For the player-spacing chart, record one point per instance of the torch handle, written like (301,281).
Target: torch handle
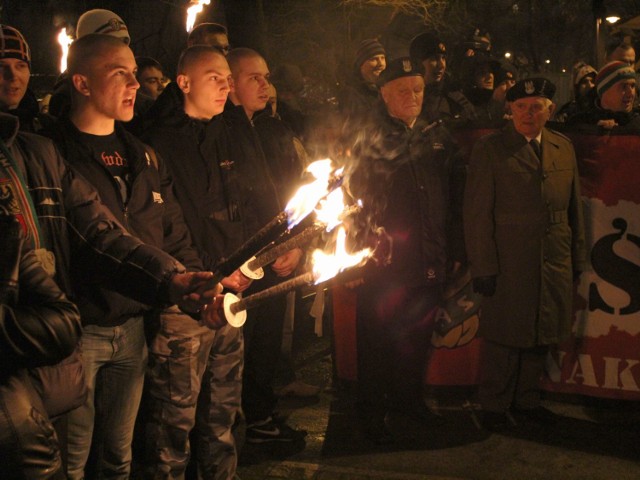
(264,236)
(294,242)
(284,287)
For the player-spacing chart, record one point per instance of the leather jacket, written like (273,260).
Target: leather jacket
(38,326)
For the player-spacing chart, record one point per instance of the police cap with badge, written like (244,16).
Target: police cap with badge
(531,87)
(398,68)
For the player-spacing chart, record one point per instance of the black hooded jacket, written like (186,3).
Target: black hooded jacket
(214,200)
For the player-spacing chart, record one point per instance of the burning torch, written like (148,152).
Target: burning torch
(325,267)
(303,203)
(64,40)
(193,10)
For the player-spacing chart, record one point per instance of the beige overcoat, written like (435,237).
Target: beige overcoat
(523,222)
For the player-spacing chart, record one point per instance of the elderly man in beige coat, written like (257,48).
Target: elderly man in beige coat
(525,242)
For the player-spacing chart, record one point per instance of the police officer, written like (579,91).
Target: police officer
(402,178)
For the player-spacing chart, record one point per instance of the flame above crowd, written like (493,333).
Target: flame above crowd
(193,10)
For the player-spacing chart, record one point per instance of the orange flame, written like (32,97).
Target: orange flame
(327,266)
(64,40)
(193,11)
(306,198)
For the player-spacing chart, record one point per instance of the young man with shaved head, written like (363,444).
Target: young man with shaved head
(133,183)
(248,96)
(188,131)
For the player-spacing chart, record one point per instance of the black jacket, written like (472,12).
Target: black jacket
(443,102)
(151,213)
(402,177)
(42,327)
(75,223)
(277,141)
(627,122)
(212,196)
(246,150)
(38,326)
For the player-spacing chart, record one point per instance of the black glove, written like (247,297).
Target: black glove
(11,240)
(576,275)
(485,286)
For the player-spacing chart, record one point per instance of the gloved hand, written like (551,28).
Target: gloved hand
(11,239)
(485,286)
(576,275)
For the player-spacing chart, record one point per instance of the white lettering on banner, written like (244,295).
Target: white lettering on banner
(583,370)
(609,372)
(627,381)
(465,304)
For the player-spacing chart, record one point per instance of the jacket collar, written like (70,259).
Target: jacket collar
(515,142)
(9,126)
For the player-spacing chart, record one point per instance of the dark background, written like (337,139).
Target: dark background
(320,35)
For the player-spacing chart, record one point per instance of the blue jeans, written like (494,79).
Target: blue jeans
(114,360)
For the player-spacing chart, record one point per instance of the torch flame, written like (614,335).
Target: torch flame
(64,40)
(193,11)
(327,266)
(306,198)
(330,211)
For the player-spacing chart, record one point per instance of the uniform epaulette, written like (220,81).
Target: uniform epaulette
(561,135)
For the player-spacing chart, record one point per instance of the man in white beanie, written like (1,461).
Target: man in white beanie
(104,22)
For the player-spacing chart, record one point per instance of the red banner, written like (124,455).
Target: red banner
(603,356)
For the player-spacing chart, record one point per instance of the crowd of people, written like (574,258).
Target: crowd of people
(120,199)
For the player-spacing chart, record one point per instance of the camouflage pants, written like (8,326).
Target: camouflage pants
(194,381)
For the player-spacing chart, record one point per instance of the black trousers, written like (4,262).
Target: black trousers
(393,328)
(262,345)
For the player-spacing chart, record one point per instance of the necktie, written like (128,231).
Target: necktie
(536,147)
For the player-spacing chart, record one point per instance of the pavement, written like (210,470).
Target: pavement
(594,439)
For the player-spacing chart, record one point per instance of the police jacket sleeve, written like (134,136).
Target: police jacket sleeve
(177,239)
(105,253)
(43,327)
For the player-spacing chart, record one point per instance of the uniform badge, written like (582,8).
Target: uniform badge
(116,25)
(406,65)
(529,87)
(157,198)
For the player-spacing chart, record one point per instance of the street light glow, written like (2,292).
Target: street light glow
(612,19)
(507,55)
(547,61)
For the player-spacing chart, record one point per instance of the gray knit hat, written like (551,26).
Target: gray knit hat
(368,48)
